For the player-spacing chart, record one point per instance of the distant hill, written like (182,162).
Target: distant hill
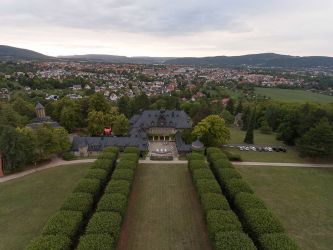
(258,60)
(13,53)
(118,59)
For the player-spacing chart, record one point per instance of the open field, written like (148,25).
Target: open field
(27,203)
(302,198)
(237,137)
(290,95)
(163,212)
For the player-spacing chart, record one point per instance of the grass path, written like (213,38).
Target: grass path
(164,212)
(28,202)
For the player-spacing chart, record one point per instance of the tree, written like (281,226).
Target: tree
(239,108)
(69,118)
(120,125)
(249,132)
(97,102)
(212,131)
(230,106)
(246,116)
(317,141)
(96,122)
(228,117)
(125,106)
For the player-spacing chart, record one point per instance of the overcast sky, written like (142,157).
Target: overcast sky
(168,27)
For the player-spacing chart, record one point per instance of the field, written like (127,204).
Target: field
(290,95)
(302,198)
(237,137)
(164,211)
(27,203)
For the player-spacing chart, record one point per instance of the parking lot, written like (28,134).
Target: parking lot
(258,148)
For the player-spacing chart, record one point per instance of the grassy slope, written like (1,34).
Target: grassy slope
(28,202)
(164,212)
(237,136)
(289,95)
(302,198)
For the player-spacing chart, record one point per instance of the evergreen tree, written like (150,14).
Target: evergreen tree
(249,132)
(230,106)
(239,108)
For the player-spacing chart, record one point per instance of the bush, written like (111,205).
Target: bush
(82,202)
(202,174)
(261,221)
(130,157)
(233,241)
(226,174)
(211,201)
(90,186)
(246,201)
(98,174)
(212,150)
(104,164)
(66,223)
(232,156)
(222,221)
(105,223)
(216,156)
(221,163)
(126,164)
(50,242)
(235,186)
(96,242)
(68,156)
(118,186)
(277,241)
(196,156)
(207,186)
(114,150)
(113,202)
(123,174)
(197,164)
(132,150)
(198,151)
(107,156)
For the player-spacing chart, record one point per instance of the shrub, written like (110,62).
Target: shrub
(226,174)
(113,202)
(126,164)
(132,150)
(222,221)
(277,241)
(232,156)
(66,223)
(105,223)
(68,156)
(196,156)
(221,163)
(105,164)
(211,201)
(261,221)
(118,186)
(197,164)
(114,150)
(129,157)
(233,241)
(98,174)
(235,186)
(82,202)
(202,174)
(107,156)
(198,151)
(207,186)
(212,150)
(50,242)
(246,201)
(96,242)
(216,156)
(90,186)
(123,174)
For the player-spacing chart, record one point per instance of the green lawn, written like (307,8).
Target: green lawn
(290,95)
(301,197)
(164,212)
(26,203)
(237,137)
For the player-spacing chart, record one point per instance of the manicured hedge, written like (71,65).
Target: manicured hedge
(96,242)
(202,174)
(133,150)
(211,201)
(129,157)
(235,186)
(246,201)
(261,221)
(233,241)
(98,174)
(277,241)
(82,202)
(222,221)
(207,186)
(196,156)
(232,156)
(216,156)
(126,164)
(114,150)
(66,223)
(90,186)
(107,155)
(118,186)
(197,164)
(212,150)
(113,202)
(123,174)
(105,164)
(105,223)
(221,163)
(50,242)
(225,174)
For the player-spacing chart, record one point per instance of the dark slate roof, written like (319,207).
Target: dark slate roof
(180,144)
(197,144)
(161,118)
(37,124)
(39,106)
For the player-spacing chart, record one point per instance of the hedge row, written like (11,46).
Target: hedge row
(62,230)
(103,229)
(260,223)
(224,228)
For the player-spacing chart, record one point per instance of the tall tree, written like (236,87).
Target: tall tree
(230,106)
(120,125)
(249,132)
(97,102)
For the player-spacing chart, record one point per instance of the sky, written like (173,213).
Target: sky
(173,28)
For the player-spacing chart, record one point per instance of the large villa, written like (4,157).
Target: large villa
(157,132)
